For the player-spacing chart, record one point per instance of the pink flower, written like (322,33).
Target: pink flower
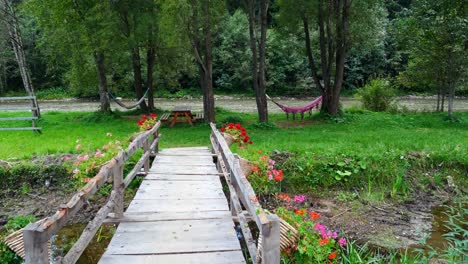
(86,179)
(272,162)
(98,154)
(299,198)
(66,158)
(78,146)
(76,171)
(86,157)
(105,147)
(270,167)
(342,242)
(119,148)
(117,142)
(109,134)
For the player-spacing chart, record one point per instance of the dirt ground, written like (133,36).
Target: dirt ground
(246,104)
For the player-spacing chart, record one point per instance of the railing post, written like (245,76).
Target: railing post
(146,148)
(118,183)
(36,246)
(271,241)
(156,147)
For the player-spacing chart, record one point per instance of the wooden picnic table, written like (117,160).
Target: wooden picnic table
(181,111)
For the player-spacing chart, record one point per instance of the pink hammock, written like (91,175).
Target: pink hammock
(299,109)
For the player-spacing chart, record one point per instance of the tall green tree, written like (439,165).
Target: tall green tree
(334,26)
(81,32)
(435,36)
(258,21)
(197,21)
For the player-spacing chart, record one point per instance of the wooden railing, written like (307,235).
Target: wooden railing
(242,194)
(37,235)
(34,108)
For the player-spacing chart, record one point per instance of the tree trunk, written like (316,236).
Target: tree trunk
(208,94)
(451,97)
(11,22)
(263,106)
(438,99)
(137,83)
(150,60)
(101,71)
(310,57)
(442,104)
(253,48)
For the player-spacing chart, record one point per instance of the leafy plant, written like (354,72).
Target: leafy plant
(377,95)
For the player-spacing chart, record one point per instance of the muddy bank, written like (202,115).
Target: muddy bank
(236,104)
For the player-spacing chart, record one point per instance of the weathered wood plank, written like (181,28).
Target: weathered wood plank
(171,205)
(171,216)
(185,236)
(18,118)
(183,160)
(19,128)
(167,169)
(155,186)
(177,192)
(17,98)
(227,257)
(181,177)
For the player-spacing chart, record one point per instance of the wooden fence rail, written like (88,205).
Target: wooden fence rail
(34,110)
(242,193)
(37,235)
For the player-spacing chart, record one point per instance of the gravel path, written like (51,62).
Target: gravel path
(246,105)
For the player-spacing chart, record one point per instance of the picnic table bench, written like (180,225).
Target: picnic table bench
(181,114)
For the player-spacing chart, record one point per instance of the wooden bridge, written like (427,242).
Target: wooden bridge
(180,213)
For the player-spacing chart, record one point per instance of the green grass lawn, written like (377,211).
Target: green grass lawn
(370,133)
(378,138)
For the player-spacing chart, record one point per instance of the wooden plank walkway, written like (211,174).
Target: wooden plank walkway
(178,215)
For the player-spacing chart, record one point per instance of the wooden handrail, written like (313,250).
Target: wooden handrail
(37,235)
(241,190)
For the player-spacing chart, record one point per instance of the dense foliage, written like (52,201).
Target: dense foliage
(386,39)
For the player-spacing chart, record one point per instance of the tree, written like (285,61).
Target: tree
(197,20)
(435,36)
(11,21)
(78,32)
(258,48)
(339,24)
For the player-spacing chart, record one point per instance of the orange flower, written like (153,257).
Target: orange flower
(323,242)
(332,255)
(314,216)
(284,197)
(300,212)
(255,169)
(259,152)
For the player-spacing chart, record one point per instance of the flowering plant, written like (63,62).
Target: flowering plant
(147,123)
(87,164)
(317,243)
(265,177)
(238,133)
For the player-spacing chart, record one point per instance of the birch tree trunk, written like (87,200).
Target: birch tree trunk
(11,21)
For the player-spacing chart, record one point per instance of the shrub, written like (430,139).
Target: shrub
(377,95)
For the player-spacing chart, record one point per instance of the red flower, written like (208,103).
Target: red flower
(140,123)
(144,117)
(323,242)
(238,126)
(223,129)
(231,126)
(250,142)
(279,176)
(300,212)
(153,115)
(246,139)
(243,133)
(255,169)
(314,216)
(332,255)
